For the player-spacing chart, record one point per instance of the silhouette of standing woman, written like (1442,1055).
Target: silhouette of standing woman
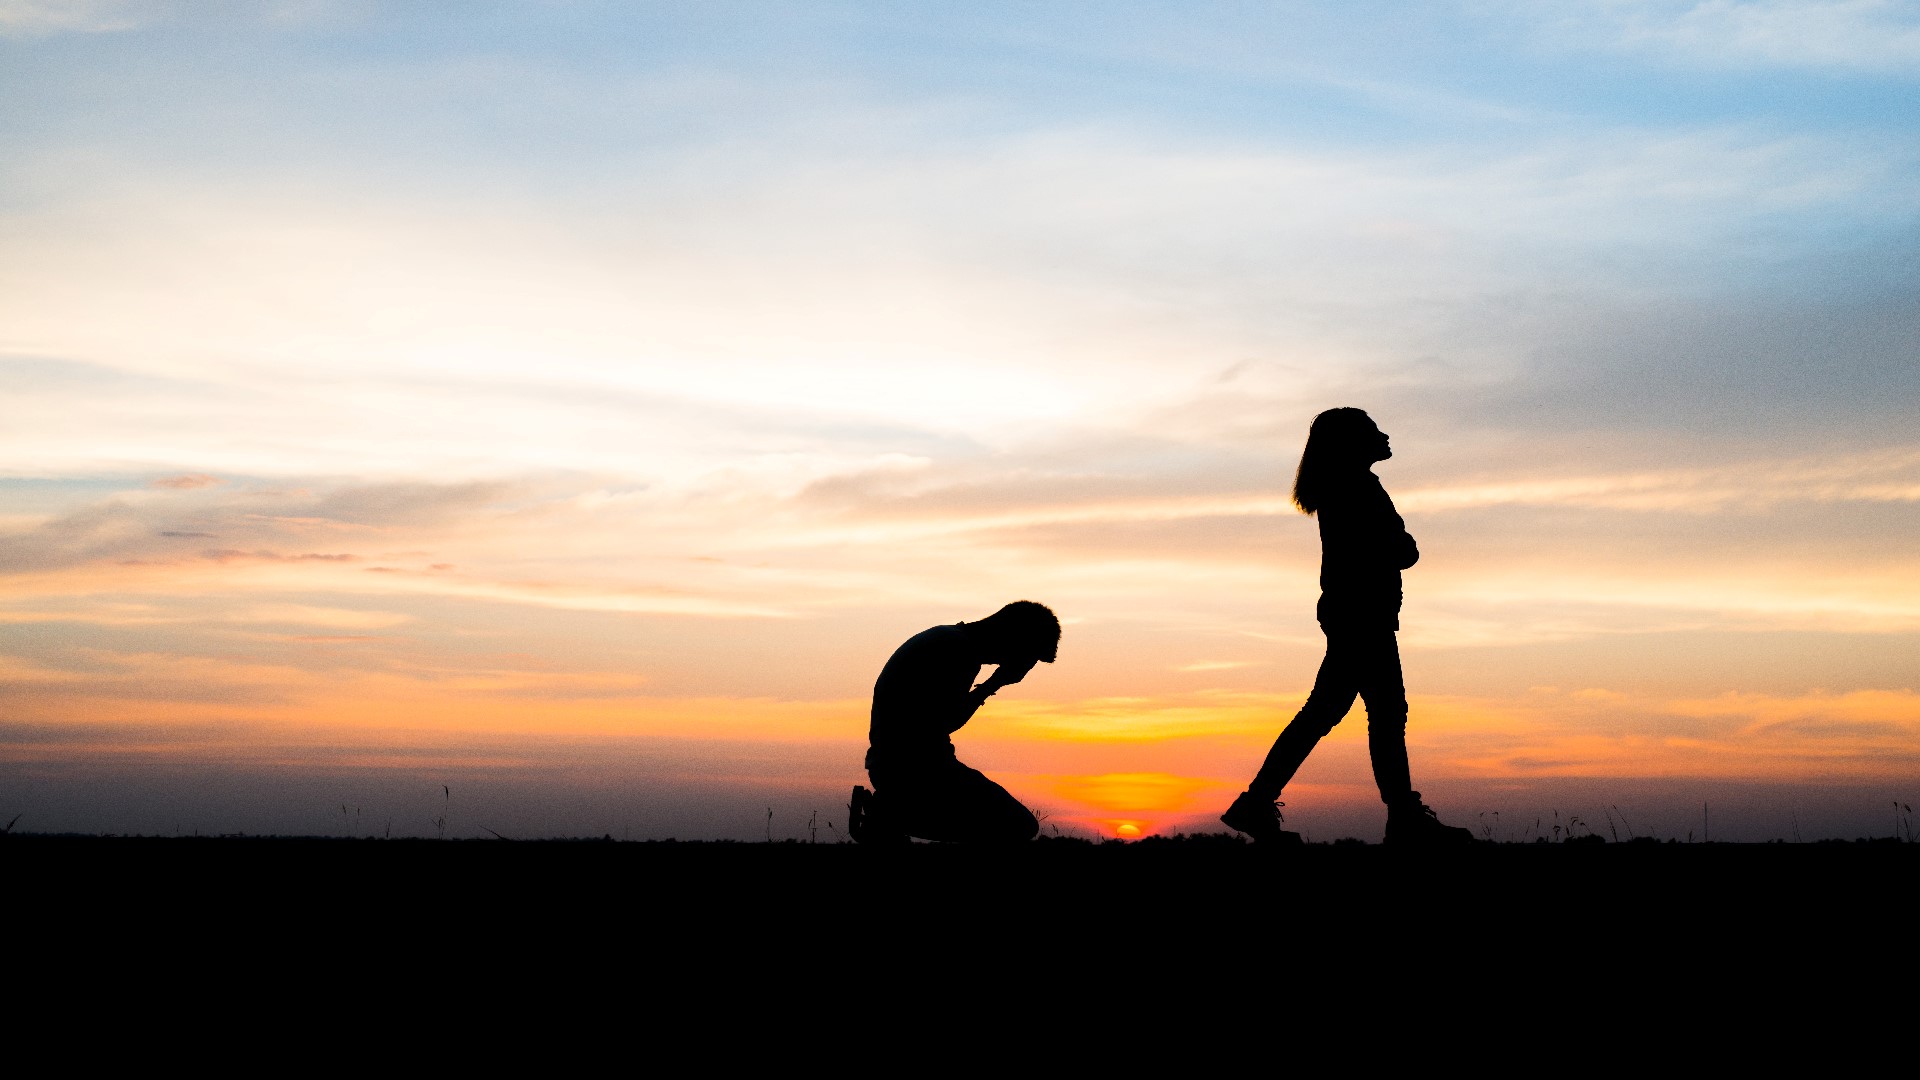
(1363,547)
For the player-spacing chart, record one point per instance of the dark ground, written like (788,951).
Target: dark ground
(1182,884)
(607,942)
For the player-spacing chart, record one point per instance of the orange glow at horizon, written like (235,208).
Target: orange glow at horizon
(161,708)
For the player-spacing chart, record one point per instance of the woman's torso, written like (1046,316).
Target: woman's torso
(1364,545)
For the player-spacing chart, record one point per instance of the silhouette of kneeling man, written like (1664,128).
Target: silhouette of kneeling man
(925,693)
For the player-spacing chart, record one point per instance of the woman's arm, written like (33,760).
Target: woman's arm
(1408,552)
(1364,534)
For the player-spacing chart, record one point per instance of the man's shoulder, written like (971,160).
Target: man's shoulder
(933,639)
(927,655)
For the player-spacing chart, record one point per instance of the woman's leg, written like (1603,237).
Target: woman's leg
(1383,687)
(1334,688)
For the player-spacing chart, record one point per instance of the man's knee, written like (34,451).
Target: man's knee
(1016,825)
(1023,826)
(995,815)
(962,816)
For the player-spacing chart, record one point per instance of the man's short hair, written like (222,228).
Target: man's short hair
(1030,626)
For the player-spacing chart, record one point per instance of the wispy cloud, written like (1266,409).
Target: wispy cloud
(34,18)
(1752,486)
(230,555)
(187,482)
(1872,35)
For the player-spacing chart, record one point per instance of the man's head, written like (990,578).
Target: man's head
(1021,632)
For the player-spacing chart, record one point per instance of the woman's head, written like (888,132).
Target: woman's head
(1339,442)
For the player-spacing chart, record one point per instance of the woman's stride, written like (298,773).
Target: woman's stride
(1363,547)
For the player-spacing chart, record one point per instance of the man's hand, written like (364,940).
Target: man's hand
(1004,675)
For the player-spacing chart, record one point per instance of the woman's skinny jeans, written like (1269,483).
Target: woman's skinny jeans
(1361,662)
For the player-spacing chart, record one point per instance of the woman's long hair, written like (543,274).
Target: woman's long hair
(1334,446)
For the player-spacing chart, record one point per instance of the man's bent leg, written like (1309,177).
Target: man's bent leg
(956,804)
(869,822)
(998,817)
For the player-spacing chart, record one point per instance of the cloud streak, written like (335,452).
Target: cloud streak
(1869,35)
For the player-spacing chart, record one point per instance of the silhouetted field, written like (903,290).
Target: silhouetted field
(460,929)
(1049,878)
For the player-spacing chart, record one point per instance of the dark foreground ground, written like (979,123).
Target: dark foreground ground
(1199,886)
(1182,944)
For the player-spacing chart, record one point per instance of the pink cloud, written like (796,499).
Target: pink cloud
(187,482)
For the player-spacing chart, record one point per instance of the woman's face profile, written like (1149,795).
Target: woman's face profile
(1366,442)
(1377,443)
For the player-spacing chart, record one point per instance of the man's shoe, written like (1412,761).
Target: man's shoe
(857,813)
(1258,819)
(867,824)
(1412,823)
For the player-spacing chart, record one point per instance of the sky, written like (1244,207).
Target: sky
(544,419)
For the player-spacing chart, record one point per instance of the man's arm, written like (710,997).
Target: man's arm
(1004,675)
